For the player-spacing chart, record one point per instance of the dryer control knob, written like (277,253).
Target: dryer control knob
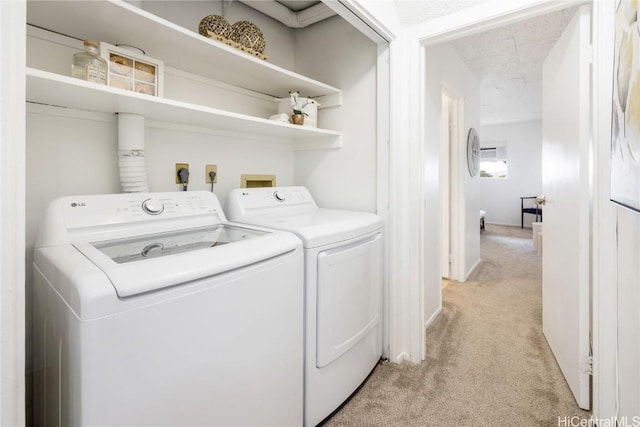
(279,197)
(152,206)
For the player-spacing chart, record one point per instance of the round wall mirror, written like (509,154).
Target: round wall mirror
(473,152)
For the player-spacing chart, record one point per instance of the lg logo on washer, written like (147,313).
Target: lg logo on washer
(78,204)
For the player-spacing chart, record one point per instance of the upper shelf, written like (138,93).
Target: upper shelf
(53,89)
(166,41)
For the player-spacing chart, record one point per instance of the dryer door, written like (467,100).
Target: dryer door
(349,296)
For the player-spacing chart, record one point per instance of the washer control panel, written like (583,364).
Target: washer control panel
(272,196)
(110,209)
(243,202)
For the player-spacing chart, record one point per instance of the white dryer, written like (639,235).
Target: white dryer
(152,310)
(343,288)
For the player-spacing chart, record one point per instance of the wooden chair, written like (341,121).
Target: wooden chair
(528,209)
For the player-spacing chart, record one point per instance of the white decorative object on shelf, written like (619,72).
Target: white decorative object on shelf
(282,117)
(304,105)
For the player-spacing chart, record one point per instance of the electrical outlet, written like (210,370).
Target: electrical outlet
(209,168)
(178,167)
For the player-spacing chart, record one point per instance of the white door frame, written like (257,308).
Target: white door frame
(12,209)
(445,186)
(458,198)
(483,17)
(604,272)
(454,158)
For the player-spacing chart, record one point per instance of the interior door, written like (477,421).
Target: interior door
(565,183)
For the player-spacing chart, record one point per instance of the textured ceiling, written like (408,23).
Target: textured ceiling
(507,61)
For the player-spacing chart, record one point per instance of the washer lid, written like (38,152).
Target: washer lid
(150,262)
(322,226)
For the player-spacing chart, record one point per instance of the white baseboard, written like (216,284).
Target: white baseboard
(401,357)
(433,317)
(503,223)
(472,269)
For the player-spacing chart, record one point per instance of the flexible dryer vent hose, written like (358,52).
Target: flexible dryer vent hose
(131,160)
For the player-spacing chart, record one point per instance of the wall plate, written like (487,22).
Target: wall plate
(207,169)
(252,181)
(178,167)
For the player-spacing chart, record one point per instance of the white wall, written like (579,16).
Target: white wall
(445,69)
(75,152)
(500,198)
(344,178)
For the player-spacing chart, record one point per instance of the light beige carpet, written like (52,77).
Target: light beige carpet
(488,363)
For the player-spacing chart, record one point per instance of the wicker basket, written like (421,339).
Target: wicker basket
(215,24)
(248,34)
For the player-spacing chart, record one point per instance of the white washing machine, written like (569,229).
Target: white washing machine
(343,288)
(152,310)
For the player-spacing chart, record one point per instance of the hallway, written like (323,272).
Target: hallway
(487,364)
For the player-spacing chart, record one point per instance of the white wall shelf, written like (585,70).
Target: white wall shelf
(176,46)
(53,89)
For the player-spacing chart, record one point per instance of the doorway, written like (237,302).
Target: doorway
(470,222)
